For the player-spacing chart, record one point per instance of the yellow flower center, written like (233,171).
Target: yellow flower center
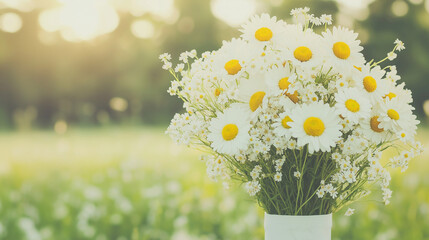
(390,95)
(313,126)
(263,34)
(341,50)
(256,100)
(369,84)
(232,66)
(403,135)
(229,132)
(285,121)
(393,114)
(218,91)
(303,54)
(293,97)
(352,105)
(374,124)
(284,83)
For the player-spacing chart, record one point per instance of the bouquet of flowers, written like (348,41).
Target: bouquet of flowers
(299,117)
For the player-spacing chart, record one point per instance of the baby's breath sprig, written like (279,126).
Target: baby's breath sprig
(399,46)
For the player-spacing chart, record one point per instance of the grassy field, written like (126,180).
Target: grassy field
(134,183)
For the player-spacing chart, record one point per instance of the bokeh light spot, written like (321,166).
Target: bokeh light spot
(143,29)
(233,12)
(399,8)
(426,107)
(60,127)
(118,104)
(10,22)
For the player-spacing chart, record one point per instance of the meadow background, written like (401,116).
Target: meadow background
(84,107)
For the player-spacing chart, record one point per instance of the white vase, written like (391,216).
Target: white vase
(287,227)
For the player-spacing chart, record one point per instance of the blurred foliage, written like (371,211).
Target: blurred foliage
(85,184)
(44,78)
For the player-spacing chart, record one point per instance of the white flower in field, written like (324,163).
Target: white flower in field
(399,45)
(297,174)
(349,212)
(352,104)
(28,227)
(93,193)
(317,125)
(262,29)
(229,132)
(278,177)
(343,49)
(371,82)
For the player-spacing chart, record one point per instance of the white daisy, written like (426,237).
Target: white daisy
(370,80)
(397,91)
(349,212)
(317,125)
(230,60)
(398,116)
(297,174)
(252,93)
(279,79)
(282,123)
(229,132)
(262,30)
(303,47)
(352,104)
(278,177)
(371,129)
(343,49)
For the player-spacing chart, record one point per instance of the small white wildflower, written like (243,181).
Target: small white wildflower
(179,67)
(165,57)
(391,56)
(399,45)
(184,57)
(320,193)
(297,174)
(278,177)
(167,65)
(349,212)
(326,19)
(315,20)
(253,187)
(193,53)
